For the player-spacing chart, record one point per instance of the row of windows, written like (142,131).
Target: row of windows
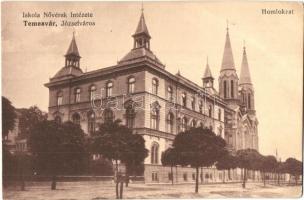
(92,91)
(185,176)
(108,116)
(183,122)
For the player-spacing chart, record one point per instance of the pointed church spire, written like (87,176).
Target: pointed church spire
(73,50)
(208,78)
(207,73)
(245,77)
(228,61)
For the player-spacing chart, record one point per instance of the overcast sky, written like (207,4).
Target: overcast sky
(183,34)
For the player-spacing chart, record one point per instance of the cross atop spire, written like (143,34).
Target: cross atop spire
(245,77)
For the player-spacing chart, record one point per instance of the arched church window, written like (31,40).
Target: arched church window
(225,89)
(249,101)
(232,89)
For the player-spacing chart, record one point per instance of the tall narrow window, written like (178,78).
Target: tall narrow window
(155,119)
(193,103)
(154,153)
(130,116)
(91,122)
(201,106)
(170,93)
(59,98)
(108,115)
(184,124)
(170,122)
(210,111)
(131,85)
(184,99)
(193,123)
(109,89)
(219,114)
(154,86)
(92,92)
(249,101)
(232,89)
(76,118)
(225,89)
(77,95)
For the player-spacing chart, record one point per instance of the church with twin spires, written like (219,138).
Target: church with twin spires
(158,104)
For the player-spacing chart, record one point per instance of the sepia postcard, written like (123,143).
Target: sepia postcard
(151,99)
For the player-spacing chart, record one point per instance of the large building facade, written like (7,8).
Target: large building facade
(156,103)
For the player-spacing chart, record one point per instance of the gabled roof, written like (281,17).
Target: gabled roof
(142,27)
(245,77)
(228,61)
(73,49)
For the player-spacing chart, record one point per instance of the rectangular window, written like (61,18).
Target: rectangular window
(170,176)
(193,176)
(185,177)
(77,97)
(154,176)
(59,101)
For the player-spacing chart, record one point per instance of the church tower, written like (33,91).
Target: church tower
(72,57)
(208,78)
(246,87)
(228,79)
